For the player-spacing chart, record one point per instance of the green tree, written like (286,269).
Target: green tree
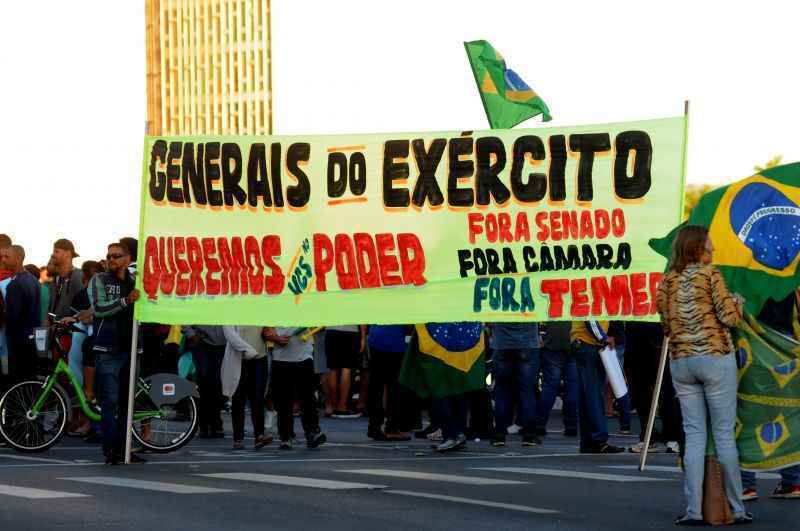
(694,192)
(771,163)
(692,195)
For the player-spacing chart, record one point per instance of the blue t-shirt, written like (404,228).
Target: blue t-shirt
(389,338)
(514,335)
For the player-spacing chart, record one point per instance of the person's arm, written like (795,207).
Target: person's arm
(363,330)
(13,306)
(596,330)
(105,305)
(270,334)
(728,308)
(236,341)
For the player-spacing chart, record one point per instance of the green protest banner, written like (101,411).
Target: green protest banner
(504,225)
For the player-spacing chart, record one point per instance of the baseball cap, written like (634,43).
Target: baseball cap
(65,245)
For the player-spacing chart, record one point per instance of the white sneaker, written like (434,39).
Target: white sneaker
(637,448)
(435,436)
(673,447)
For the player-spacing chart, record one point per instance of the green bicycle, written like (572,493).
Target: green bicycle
(34,413)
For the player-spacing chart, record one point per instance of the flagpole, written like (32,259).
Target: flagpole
(269,61)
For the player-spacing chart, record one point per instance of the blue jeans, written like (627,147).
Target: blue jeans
(515,373)
(555,365)
(790,477)
(112,392)
(208,362)
(450,413)
(706,387)
(591,395)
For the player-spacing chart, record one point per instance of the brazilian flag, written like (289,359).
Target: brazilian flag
(754,225)
(768,412)
(507,99)
(444,359)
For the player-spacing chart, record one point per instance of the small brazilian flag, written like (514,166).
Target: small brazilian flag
(754,225)
(444,359)
(506,98)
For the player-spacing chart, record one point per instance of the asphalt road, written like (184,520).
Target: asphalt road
(350,484)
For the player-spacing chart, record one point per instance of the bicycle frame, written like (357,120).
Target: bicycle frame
(62,368)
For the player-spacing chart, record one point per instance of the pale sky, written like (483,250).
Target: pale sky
(73,87)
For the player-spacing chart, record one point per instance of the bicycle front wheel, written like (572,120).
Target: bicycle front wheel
(24,431)
(171,429)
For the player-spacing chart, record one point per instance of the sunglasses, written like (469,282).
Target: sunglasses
(115,256)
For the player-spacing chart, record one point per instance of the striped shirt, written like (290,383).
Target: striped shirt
(697,311)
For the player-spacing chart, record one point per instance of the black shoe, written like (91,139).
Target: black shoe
(541,431)
(498,442)
(93,438)
(202,434)
(570,432)
(137,460)
(603,449)
(685,520)
(423,434)
(285,445)
(315,440)
(530,440)
(216,434)
(113,458)
(747,518)
(376,435)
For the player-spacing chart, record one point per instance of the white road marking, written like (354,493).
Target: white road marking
(43,459)
(37,494)
(449,478)
(174,488)
(569,474)
(676,470)
(269,459)
(470,501)
(293,481)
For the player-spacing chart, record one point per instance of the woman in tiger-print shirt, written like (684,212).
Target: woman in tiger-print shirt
(696,312)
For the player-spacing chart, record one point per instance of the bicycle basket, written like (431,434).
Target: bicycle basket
(41,336)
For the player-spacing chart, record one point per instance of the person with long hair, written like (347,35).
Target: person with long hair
(697,311)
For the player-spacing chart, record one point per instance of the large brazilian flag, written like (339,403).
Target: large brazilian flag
(445,359)
(754,225)
(768,413)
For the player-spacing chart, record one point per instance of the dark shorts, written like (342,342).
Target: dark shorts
(341,349)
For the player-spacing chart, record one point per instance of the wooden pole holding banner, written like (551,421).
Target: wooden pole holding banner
(665,348)
(654,404)
(131,391)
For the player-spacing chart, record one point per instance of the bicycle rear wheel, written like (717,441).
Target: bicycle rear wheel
(26,433)
(172,429)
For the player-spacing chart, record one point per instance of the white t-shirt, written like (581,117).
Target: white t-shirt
(296,351)
(345,328)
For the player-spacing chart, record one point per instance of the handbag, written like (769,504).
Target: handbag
(716,510)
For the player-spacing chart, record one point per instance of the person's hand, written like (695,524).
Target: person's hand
(67,320)
(86,316)
(611,342)
(132,297)
(280,340)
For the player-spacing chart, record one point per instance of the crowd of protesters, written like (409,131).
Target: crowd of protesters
(349,371)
